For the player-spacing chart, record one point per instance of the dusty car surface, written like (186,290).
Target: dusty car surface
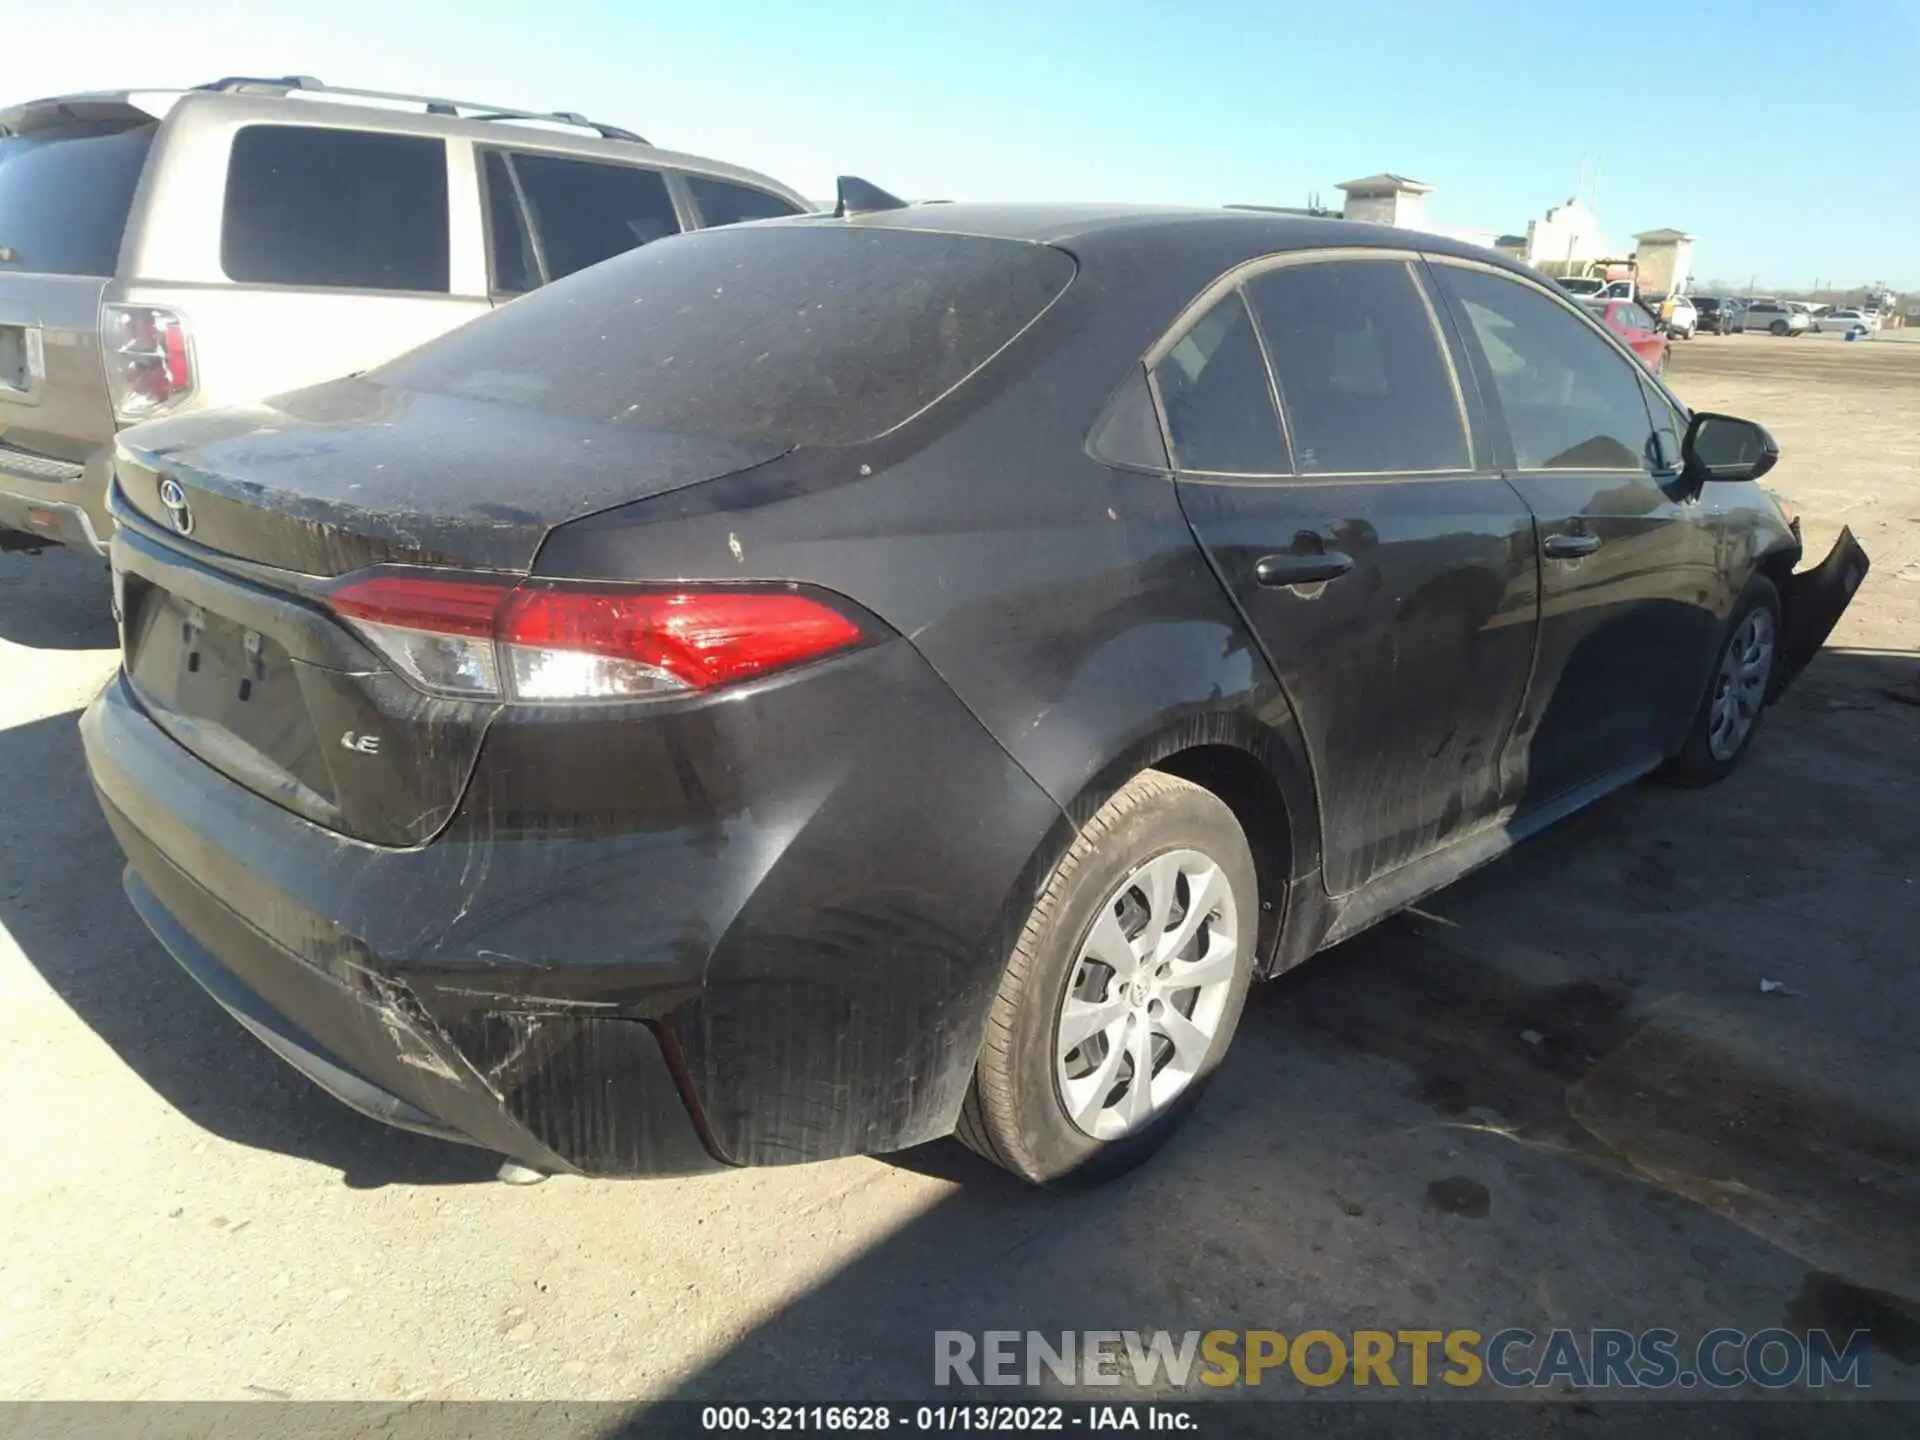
(916,681)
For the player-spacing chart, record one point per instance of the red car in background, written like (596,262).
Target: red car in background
(1634,323)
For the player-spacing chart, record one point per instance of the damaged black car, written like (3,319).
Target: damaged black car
(822,685)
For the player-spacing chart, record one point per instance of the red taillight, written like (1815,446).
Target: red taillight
(558,643)
(450,607)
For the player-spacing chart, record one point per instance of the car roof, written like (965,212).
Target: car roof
(350,109)
(1093,231)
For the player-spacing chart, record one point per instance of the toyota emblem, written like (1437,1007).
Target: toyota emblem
(174,499)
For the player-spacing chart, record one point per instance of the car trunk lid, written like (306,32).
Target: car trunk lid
(235,526)
(353,473)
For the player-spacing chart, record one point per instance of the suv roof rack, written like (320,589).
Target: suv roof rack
(433,104)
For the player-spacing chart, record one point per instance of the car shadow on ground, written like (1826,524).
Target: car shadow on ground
(57,600)
(61,900)
(1557,1094)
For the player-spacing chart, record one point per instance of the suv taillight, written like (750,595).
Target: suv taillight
(149,362)
(558,643)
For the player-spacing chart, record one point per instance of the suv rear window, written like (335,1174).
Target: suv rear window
(65,192)
(350,209)
(796,334)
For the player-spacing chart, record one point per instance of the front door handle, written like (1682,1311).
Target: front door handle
(1570,547)
(1278,571)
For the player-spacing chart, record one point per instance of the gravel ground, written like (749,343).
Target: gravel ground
(1558,1096)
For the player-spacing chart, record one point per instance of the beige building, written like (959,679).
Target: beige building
(1566,238)
(1664,259)
(1387,200)
(1565,241)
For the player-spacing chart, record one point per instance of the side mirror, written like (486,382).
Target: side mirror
(1722,447)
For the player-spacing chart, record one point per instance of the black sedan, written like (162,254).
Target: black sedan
(817,686)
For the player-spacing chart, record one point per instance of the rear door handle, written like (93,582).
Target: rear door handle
(1570,547)
(1278,571)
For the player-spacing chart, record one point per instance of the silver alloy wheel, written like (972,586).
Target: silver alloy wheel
(1147,993)
(1740,685)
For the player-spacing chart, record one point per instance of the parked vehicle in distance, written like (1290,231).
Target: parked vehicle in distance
(916,681)
(1717,314)
(1673,315)
(1584,286)
(1776,317)
(1637,329)
(1848,321)
(170,250)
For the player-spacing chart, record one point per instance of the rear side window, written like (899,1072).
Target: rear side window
(346,209)
(723,203)
(65,192)
(789,333)
(1571,401)
(585,212)
(1363,379)
(1214,392)
(513,267)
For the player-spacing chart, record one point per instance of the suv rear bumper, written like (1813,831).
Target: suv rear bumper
(57,522)
(55,501)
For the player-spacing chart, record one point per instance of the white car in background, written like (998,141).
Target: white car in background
(1682,321)
(1848,320)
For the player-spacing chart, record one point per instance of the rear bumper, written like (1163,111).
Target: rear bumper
(556,1092)
(774,957)
(60,503)
(57,522)
(1815,600)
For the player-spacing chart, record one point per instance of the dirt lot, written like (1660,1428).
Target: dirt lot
(1558,1098)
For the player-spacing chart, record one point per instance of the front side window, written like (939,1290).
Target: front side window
(1570,400)
(585,211)
(1214,392)
(721,202)
(1363,379)
(352,209)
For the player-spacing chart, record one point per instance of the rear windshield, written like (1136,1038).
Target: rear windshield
(795,334)
(65,191)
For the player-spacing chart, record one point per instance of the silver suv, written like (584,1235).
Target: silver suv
(162,250)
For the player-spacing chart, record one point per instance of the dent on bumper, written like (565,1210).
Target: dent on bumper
(557,1092)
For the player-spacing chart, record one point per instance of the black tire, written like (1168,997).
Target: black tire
(1660,365)
(1014,1114)
(1696,764)
(1778,327)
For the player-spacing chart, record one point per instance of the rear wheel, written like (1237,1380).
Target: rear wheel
(1123,991)
(1778,327)
(1731,710)
(1660,365)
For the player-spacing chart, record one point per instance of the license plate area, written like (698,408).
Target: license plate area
(227,691)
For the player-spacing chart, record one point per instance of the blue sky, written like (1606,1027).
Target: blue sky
(1785,135)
